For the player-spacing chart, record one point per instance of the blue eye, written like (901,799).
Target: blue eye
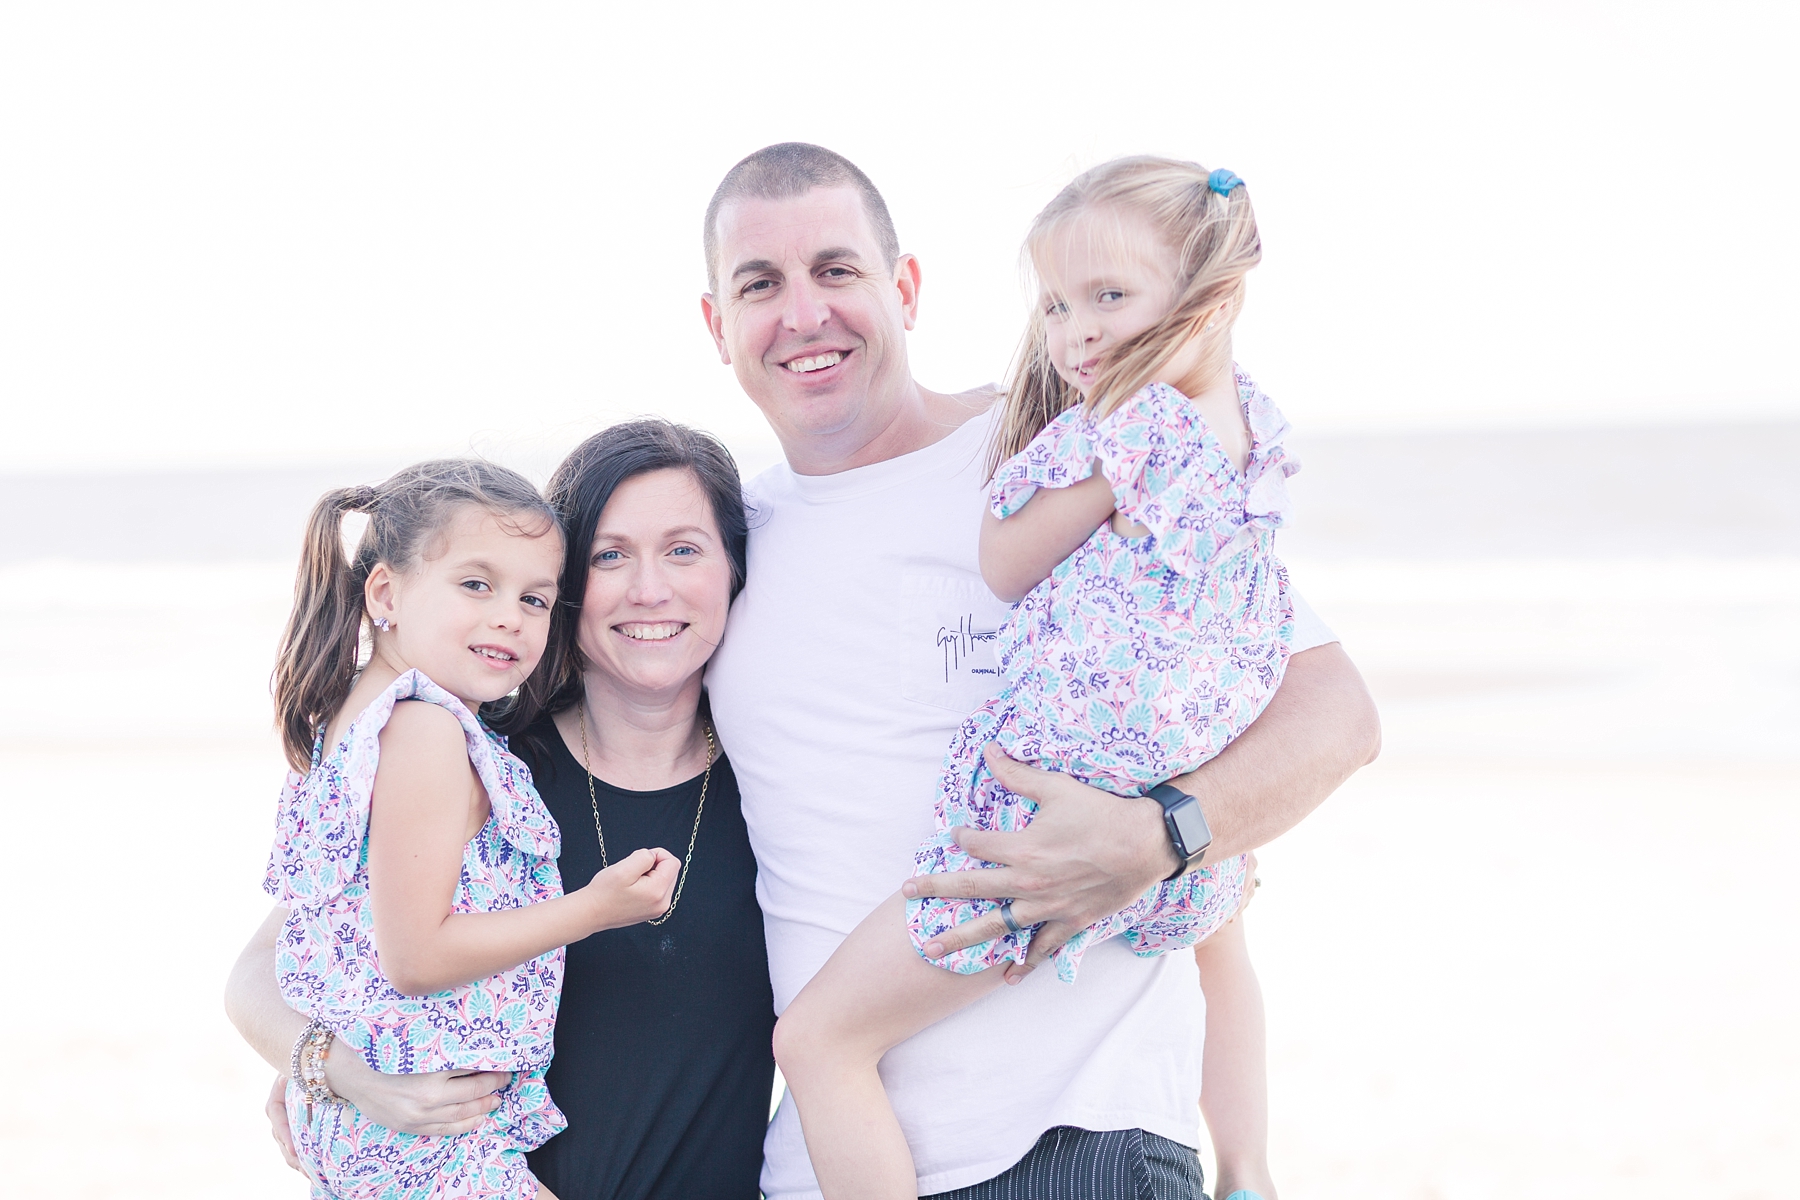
(476,585)
(536,601)
(607,556)
(1110,295)
(684,550)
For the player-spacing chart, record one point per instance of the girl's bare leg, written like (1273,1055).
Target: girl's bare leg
(1234,1081)
(545,1193)
(873,994)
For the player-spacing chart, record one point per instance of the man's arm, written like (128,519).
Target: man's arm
(443,1103)
(1088,853)
(1319,729)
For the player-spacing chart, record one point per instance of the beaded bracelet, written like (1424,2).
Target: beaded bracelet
(308,1064)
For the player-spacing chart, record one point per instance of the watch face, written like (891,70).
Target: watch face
(1191,825)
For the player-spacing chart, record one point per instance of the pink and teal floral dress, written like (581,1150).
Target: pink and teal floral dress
(1138,659)
(327,967)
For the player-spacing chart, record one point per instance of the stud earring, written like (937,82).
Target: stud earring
(383,624)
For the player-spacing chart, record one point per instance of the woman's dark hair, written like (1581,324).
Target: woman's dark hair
(317,664)
(579,490)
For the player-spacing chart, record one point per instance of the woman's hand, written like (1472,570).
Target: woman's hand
(438,1104)
(636,888)
(276,1108)
(1086,855)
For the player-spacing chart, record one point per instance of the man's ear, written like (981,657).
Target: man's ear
(906,279)
(715,325)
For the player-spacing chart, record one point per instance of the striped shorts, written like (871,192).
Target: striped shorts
(1080,1164)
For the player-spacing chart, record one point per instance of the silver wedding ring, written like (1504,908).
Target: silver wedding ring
(1006,914)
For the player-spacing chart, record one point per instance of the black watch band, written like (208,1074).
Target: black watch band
(1187,827)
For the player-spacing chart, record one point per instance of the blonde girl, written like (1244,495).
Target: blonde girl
(426,918)
(1139,481)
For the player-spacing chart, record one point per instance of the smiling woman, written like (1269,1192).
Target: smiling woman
(653,514)
(658,584)
(662,1065)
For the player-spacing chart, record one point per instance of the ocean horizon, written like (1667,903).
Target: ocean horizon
(1725,489)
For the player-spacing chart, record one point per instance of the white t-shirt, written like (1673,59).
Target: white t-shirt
(861,640)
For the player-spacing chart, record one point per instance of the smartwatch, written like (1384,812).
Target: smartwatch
(1186,824)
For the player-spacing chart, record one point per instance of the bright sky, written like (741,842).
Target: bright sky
(243,234)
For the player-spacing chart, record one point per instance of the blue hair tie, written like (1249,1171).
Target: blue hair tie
(1222,181)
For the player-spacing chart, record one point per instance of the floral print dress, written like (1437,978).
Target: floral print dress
(1137,660)
(326,965)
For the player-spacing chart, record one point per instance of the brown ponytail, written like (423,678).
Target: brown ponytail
(317,661)
(321,647)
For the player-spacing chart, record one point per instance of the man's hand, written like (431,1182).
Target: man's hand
(439,1104)
(276,1108)
(1086,855)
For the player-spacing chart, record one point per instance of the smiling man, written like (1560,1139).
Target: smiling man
(860,642)
(817,307)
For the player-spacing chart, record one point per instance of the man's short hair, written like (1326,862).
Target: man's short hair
(789,169)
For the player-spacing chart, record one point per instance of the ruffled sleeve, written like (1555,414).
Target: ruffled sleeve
(323,817)
(1271,460)
(1062,454)
(286,878)
(1167,476)
(518,811)
(1170,475)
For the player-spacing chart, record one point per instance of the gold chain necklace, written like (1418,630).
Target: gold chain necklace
(594,802)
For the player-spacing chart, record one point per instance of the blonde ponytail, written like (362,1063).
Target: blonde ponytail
(1212,238)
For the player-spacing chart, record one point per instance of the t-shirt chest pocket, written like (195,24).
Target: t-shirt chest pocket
(949,634)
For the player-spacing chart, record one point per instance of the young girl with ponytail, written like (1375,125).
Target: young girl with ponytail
(426,918)
(1138,483)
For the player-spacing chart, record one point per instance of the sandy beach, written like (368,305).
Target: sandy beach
(1541,946)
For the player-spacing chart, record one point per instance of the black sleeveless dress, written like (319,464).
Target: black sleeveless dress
(662,1063)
